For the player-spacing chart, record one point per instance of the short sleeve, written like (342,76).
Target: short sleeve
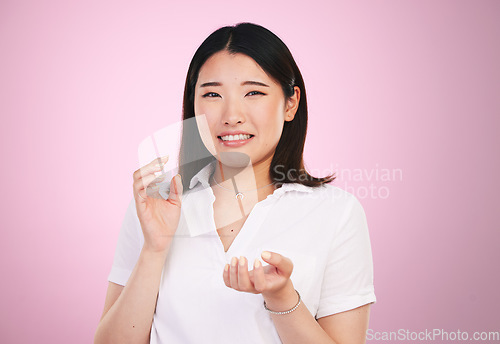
(348,279)
(128,248)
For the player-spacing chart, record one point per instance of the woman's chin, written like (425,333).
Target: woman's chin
(234,159)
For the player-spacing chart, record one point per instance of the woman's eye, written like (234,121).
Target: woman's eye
(210,95)
(254,93)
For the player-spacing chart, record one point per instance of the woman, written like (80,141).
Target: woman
(259,251)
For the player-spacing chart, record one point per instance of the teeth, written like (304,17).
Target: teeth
(235,137)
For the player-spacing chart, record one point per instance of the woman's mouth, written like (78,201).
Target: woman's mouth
(235,140)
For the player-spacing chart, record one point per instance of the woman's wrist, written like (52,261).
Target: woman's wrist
(282,300)
(155,251)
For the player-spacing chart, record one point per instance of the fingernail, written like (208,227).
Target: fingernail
(266,254)
(226,267)
(256,263)
(233,261)
(242,261)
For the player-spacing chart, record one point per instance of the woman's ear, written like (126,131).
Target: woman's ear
(292,104)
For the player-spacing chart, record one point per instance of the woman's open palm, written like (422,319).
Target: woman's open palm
(267,279)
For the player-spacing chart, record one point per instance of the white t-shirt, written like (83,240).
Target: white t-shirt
(323,230)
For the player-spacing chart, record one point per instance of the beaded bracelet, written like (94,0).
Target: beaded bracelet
(284,312)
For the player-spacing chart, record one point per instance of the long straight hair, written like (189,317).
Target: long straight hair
(273,56)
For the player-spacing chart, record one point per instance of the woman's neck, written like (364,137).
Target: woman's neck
(250,177)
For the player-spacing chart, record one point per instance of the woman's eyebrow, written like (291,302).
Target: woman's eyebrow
(249,82)
(257,83)
(211,83)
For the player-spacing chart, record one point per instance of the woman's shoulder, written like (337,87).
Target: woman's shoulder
(331,192)
(327,197)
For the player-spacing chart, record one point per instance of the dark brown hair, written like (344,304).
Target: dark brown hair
(272,55)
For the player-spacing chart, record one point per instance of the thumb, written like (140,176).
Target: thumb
(175,193)
(282,263)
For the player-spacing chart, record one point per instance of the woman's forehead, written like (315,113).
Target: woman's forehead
(224,67)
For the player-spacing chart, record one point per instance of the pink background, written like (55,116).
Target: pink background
(409,86)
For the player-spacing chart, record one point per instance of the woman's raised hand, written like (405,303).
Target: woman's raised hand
(159,218)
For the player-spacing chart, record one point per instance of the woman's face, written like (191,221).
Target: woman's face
(244,110)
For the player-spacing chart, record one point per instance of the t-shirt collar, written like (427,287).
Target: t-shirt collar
(203,177)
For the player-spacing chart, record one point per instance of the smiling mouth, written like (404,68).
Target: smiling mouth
(239,137)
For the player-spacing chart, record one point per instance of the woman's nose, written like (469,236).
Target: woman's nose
(233,114)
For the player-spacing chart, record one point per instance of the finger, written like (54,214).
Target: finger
(143,183)
(140,196)
(250,275)
(140,187)
(158,178)
(157,163)
(244,283)
(176,189)
(233,273)
(225,275)
(154,166)
(259,280)
(282,263)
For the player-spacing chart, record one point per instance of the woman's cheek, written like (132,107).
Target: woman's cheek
(208,138)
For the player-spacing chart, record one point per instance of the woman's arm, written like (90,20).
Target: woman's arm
(128,311)
(349,326)
(300,326)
